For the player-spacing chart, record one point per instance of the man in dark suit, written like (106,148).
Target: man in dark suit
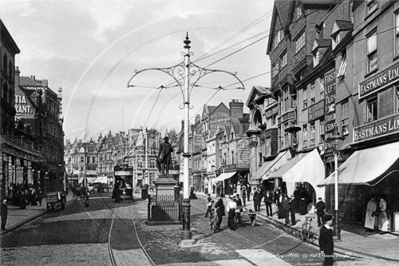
(4,214)
(268,203)
(326,242)
(320,207)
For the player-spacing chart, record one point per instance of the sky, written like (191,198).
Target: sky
(91,49)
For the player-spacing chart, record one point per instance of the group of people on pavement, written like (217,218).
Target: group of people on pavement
(233,208)
(21,196)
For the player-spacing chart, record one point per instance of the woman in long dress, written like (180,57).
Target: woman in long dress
(369,221)
(383,221)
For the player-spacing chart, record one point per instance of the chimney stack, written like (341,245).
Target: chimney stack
(236,110)
(17,77)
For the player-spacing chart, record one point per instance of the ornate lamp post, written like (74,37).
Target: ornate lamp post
(186,74)
(335,142)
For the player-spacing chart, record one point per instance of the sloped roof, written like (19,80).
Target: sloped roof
(319,2)
(256,93)
(27,81)
(340,25)
(321,43)
(280,11)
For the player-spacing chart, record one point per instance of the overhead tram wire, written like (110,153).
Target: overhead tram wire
(252,24)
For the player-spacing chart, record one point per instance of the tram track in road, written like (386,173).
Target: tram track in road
(124,245)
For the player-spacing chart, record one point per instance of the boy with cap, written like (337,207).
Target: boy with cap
(326,242)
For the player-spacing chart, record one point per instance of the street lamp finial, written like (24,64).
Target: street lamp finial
(187,42)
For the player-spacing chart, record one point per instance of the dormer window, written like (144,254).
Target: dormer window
(335,40)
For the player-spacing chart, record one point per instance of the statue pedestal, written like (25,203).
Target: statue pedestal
(165,185)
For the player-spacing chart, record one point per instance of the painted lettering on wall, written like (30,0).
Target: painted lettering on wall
(329,106)
(379,128)
(378,81)
(219,120)
(22,106)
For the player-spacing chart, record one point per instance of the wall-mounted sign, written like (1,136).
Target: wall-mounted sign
(329,105)
(378,128)
(243,153)
(120,173)
(316,111)
(219,119)
(23,107)
(378,81)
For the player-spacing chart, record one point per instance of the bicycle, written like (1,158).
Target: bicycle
(307,231)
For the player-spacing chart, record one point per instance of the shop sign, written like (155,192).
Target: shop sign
(379,128)
(22,107)
(378,81)
(243,153)
(329,105)
(120,173)
(316,111)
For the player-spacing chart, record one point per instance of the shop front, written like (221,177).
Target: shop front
(304,171)
(269,167)
(370,173)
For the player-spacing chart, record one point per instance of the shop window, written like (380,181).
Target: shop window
(305,135)
(312,134)
(345,118)
(371,110)
(300,42)
(372,59)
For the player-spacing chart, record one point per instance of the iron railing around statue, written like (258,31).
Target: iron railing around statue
(164,209)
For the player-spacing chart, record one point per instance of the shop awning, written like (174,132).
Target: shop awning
(304,167)
(282,159)
(223,176)
(367,167)
(101,179)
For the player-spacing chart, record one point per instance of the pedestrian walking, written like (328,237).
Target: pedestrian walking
(326,242)
(276,196)
(244,195)
(39,196)
(231,212)
(220,212)
(293,207)
(320,207)
(286,209)
(248,192)
(209,203)
(4,214)
(268,198)
(255,199)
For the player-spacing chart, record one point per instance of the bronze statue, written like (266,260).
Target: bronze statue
(164,156)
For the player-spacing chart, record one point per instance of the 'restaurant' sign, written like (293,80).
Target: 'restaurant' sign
(316,111)
(378,81)
(379,128)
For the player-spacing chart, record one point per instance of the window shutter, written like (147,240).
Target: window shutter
(386,102)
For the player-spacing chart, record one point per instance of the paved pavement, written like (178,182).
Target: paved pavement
(379,246)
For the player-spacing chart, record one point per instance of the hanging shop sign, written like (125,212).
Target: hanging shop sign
(379,81)
(330,88)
